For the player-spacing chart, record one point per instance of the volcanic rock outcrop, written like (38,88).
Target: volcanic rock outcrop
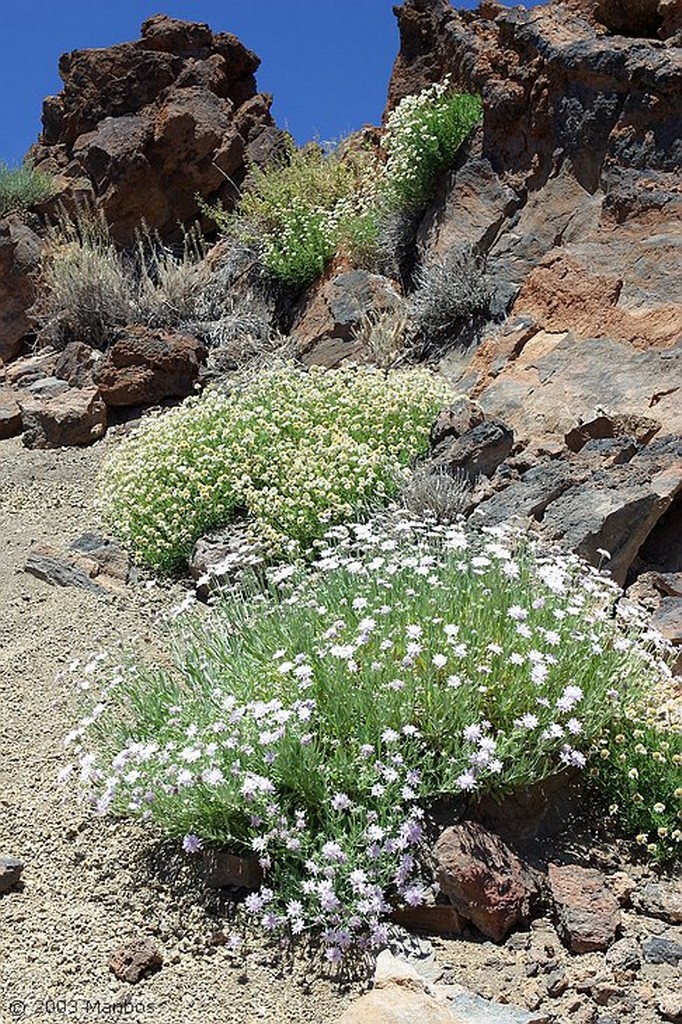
(571,193)
(142,127)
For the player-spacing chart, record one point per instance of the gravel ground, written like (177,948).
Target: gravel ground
(90,885)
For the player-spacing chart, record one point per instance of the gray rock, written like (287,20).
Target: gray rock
(667,619)
(109,556)
(332,310)
(472,1008)
(658,950)
(624,955)
(479,451)
(47,387)
(46,564)
(10,872)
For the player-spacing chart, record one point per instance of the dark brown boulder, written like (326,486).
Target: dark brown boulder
(20,250)
(148,125)
(144,366)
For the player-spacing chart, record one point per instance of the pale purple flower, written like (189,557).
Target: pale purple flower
(472,733)
(192,843)
(415,896)
(571,696)
(341,802)
(390,736)
(466,781)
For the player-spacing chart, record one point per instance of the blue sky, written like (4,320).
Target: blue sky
(327,62)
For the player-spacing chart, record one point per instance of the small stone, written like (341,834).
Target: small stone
(660,899)
(135,960)
(658,950)
(557,983)
(624,955)
(587,910)
(605,991)
(10,872)
(622,885)
(670,1006)
(392,971)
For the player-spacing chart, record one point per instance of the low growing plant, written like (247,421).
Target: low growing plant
(452,293)
(290,450)
(316,203)
(315,724)
(22,188)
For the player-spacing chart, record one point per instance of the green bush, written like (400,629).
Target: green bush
(638,765)
(297,212)
(23,187)
(290,450)
(423,135)
(316,725)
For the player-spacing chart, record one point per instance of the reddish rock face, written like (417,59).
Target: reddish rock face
(149,124)
(570,190)
(144,366)
(19,261)
(486,882)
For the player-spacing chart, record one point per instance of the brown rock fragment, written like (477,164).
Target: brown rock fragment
(135,960)
(487,883)
(587,911)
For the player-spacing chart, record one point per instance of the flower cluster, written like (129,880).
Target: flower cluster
(312,725)
(298,213)
(291,450)
(422,137)
(639,765)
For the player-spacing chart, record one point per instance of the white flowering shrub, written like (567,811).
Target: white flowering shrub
(302,211)
(292,451)
(313,726)
(423,135)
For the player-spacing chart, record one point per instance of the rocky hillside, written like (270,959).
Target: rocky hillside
(571,190)
(568,197)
